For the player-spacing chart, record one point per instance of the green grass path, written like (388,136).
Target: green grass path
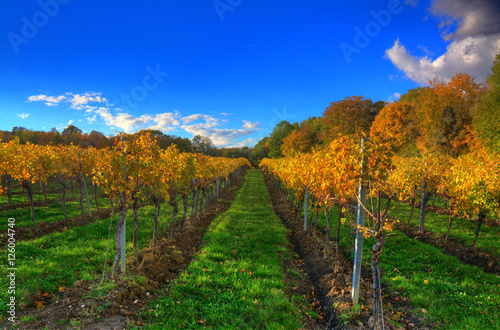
(236,281)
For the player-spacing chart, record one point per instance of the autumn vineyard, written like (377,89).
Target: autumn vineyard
(371,216)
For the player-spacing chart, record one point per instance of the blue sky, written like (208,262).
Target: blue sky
(226,69)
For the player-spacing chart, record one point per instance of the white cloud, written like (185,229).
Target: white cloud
(249,125)
(474,43)
(219,136)
(165,121)
(92,119)
(244,143)
(49,100)
(191,118)
(471,55)
(393,97)
(122,120)
(23,115)
(77,101)
(92,103)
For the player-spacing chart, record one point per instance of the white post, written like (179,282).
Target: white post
(358,246)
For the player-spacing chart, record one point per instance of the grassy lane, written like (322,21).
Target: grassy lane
(236,281)
(442,289)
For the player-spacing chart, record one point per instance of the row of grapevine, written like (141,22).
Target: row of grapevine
(335,174)
(134,171)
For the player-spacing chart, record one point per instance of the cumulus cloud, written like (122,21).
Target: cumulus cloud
(97,109)
(23,115)
(474,43)
(244,143)
(77,101)
(249,125)
(219,136)
(191,118)
(393,97)
(165,121)
(49,100)
(473,17)
(122,120)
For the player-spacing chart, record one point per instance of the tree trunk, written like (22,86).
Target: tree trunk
(397,210)
(340,221)
(81,198)
(425,199)
(387,205)
(192,206)
(135,208)
(185,203)
(327,230)
(29,191)
(44,192)
(9,193)
(412,201)
(173,203)
(196,203)
(157,212)
(450,220)
(480,219)
(118,231)
(63,199)
(96,196)
(84,184)
(201,200)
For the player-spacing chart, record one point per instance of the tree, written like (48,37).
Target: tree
(298,141)
(279,133)
(98,140)
(259,151)
(445,113)
(203,145)
(351,116)
(395,128)
(17,129)
(487,111)
(71,129)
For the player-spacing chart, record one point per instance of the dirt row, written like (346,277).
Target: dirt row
(120,307)
(331,275)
